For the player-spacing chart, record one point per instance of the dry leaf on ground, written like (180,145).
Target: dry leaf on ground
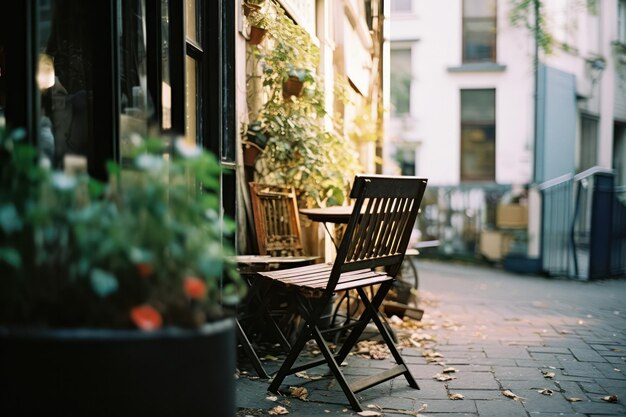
(431,354)
(548,375)
(509,394)
(610,398)
(456,396)
(443,377)
(305,375)
(369,413)
(271,398)
(299,392)
(545,391)
(269,358)
(278,410)
(449,370)
(573,399)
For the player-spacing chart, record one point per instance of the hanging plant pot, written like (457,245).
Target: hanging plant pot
(257,35)
(249,8)
(292,87)
(250,153)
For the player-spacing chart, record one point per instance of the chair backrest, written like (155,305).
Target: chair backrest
(276,220)
(379,229)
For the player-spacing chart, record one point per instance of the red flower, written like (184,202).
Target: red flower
(146,317)
(144,269)
(194,288)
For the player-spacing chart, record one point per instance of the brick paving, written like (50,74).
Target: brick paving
(499,331)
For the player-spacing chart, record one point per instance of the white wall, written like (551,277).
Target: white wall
(435,28)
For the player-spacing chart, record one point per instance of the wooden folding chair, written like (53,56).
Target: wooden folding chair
(376,238)
(277,229)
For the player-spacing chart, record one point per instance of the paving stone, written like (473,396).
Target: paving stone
(593,407)
(587,355)
(473,380)
(479,394)
(500,408)
(547,349)
(580,369)
(506,352)
(555,403)
(450,406)
(516,373)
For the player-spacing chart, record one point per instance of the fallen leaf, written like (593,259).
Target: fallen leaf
(616,350)
(300,393)
(377,407)
(278,410)
(272,398)
(305,375)
(573,399)
(565,332)
(430,354)
(369,413)
(610,398)
(443,377)
(548,375)
(545,391)
(509,394)
(449,370)
(456,396)
(269,358)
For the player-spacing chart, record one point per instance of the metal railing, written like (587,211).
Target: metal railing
(583,232)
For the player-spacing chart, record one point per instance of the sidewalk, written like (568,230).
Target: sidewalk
(501,333)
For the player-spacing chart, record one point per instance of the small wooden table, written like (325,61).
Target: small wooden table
(335,214)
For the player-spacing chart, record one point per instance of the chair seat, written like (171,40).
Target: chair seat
(317,277)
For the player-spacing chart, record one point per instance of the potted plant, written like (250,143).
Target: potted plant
(111,295)
(251,5)
(296,77)
(253,145)
(259,23)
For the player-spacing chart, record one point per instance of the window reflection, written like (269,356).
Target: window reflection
(166,89)
(65,80)
(190,100)
(135,104)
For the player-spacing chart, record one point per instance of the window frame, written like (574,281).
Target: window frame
(402,46)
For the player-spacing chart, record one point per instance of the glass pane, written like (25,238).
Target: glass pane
(190,20)
(190,100)
(479,40)
(478,153)
(478,105)
(479,8)
(3,85)
(400,79)
(65,80)
(166,85)
(135,104)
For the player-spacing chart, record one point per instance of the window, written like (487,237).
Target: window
(400,78)
(405,157)
(479,31)
(588,142)
(401,6)
(478,135)
(621,21)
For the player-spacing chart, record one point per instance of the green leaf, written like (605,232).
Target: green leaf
(9,219)
(10,256)
(103,283)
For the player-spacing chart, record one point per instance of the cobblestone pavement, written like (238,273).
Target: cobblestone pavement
(555,347)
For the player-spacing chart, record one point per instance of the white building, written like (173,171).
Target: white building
(464,112)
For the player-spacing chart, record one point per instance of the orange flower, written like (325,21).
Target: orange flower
(144,269)
(194,288)
(146,317)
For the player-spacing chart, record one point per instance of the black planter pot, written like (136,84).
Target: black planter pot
(84,372)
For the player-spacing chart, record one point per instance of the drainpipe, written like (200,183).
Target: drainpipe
(536,93)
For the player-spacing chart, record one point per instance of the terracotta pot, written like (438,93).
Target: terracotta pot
(257,35)
(249,8)
(292,87)
(100,372)
(250,153)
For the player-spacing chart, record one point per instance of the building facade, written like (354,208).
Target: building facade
(472,111)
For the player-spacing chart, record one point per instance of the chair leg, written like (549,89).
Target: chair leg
(247,347)
(373,308)
(363,320)
(335,368)
(291,358)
